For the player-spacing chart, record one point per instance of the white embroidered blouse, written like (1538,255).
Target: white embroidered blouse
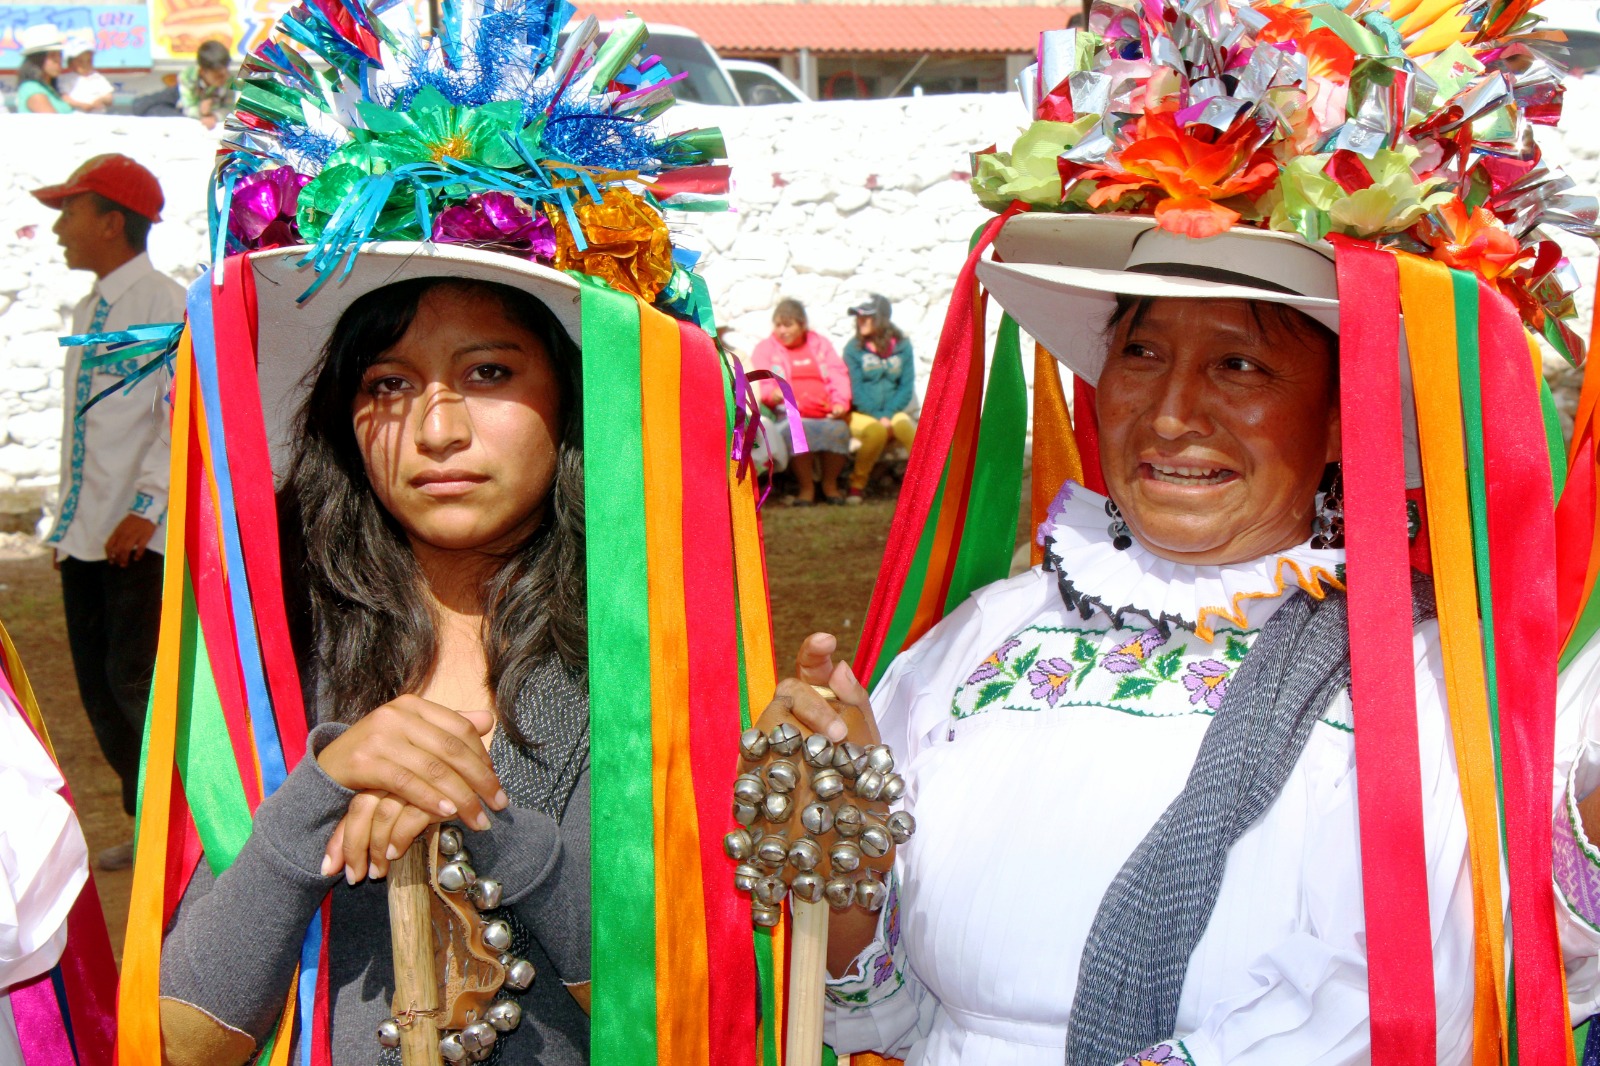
(1040,743)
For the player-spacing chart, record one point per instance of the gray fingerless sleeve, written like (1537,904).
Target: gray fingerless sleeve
(234,943)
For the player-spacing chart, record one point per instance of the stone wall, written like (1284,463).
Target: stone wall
(834,201)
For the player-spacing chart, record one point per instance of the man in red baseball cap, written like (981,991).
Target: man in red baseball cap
(114,456)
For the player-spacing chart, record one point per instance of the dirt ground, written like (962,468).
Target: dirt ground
(821,562)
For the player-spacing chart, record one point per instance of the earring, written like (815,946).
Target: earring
(1327,528)
(1121,538)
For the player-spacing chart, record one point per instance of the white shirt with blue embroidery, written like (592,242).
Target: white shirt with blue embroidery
(114,458)
(1040,743)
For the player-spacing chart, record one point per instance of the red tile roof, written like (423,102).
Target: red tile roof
(852,28)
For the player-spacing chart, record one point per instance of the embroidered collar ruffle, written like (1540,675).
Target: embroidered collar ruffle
(1095,576)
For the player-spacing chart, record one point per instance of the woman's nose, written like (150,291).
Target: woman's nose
(1180,409)
(445,425)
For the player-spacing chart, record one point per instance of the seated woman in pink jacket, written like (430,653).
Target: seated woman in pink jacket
(821,384)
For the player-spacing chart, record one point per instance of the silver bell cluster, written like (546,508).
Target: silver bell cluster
(825,856)
(456,876)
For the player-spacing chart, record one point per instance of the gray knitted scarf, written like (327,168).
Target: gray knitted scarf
(1156,910)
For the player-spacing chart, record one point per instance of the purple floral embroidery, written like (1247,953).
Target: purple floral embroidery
(1130,656)
(1207,682)
(1049,678)
(1160,1055)
(883,965)
(990,667)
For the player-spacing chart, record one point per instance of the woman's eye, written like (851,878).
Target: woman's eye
(1242,364)
(1137,351)
(489,372)
(388,385)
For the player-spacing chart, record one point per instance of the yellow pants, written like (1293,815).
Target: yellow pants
(874,437)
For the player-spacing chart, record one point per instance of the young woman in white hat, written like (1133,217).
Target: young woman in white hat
(41,47)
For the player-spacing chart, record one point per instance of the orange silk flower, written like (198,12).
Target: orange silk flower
(1192,172)
(1475,241)
(629,247)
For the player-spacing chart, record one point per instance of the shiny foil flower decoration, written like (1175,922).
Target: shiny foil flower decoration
(1185,171)
(261,213)
(497,220)
(1473,240)
(628,245)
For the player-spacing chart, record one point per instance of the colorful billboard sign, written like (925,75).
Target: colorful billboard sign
(121,31)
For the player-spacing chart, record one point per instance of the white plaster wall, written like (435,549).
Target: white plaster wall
(833,201)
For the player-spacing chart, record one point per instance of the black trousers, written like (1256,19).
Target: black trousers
(113,621)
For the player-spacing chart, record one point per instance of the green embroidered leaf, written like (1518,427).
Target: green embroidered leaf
(994,690)
(1083,651)
(1023,661)
(1236,649)
(1166,666)
(1134,687)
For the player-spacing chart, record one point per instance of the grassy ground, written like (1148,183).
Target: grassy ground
(821,562)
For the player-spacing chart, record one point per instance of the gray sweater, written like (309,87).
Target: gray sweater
(233,945)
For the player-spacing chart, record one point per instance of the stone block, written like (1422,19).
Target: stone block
(31,428)
(832,255)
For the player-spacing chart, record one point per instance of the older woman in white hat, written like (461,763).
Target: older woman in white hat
(41,65)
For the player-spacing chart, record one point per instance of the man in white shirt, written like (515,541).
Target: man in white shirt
(110,526)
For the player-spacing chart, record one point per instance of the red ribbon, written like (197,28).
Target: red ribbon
(1522,584)
(941,409)
(713,642)
(1394,875)
(1086,427)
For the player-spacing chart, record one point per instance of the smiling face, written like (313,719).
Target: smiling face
(1216,421)
(789,331)
(458,424)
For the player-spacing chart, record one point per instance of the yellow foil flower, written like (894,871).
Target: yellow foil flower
(629,248)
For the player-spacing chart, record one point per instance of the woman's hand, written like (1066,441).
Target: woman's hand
(375,830)
(814,665)
(840,413)
(421,754)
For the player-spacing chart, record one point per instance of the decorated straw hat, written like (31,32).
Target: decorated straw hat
(363,153)
(1372,164)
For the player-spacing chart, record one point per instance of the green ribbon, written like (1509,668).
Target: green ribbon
(623,922)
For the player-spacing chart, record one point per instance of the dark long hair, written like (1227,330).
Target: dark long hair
(32,69)
(374,630)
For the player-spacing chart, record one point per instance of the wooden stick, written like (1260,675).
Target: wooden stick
(416,984)
(808,957)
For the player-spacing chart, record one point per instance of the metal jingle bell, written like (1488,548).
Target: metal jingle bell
(827,783)
(504,1014)
(894,786)
(880,758)
(839,892)
(519,975)
(900,825)
(785,738)
(749,788)
(746,813)
(804,854)
(818,751)
(481,1055)
(844,758)
(745,877)
(479,1036)
(871,893)
(450,1049)
(455,876)
(817,818)
(807,886)
(497,934)
(778,807)
(485,893)
(388,1033)
(739,845)
(782,776)
(869,784)
(770,890)
(844,857)
(766,916)
(773,851)
(449,841)
(848,820)
(875,842)
(753,744)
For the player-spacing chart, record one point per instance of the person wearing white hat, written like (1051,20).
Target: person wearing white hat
(41,65)
(85,88)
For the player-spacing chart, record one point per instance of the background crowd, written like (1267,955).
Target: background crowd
(58,77)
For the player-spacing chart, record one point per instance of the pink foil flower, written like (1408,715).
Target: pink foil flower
(262,211)
(497,220)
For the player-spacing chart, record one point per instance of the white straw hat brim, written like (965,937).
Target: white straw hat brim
(290,335)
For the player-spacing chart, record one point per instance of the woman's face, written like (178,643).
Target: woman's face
(52,64)
(1215,428)
(865,327)
(458,424)
(790,332)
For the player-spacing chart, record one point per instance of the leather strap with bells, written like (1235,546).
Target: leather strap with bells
(448,1011)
